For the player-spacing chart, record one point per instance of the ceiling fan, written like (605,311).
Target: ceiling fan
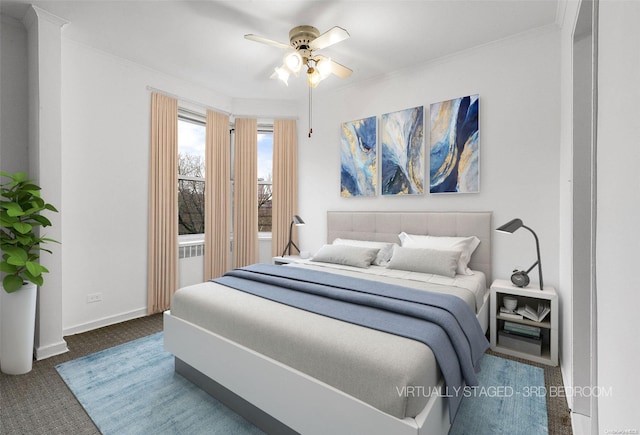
(303,42)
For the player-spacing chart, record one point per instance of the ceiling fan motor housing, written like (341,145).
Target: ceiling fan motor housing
(300,38)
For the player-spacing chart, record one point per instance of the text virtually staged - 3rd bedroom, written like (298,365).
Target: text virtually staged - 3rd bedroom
(319,217)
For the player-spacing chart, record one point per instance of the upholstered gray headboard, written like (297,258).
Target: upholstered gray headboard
(384,226)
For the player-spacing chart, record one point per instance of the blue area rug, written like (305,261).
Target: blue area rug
(511,399)
(132,389)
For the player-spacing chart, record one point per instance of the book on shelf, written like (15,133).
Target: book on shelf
(520,329)
(531,345)
(505,312)
(536,315)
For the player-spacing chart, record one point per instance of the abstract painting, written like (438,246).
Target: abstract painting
(455,146)
(358,157)
(403,152)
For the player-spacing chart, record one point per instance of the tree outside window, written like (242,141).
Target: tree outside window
(191,176)
(191,171)
(265,177)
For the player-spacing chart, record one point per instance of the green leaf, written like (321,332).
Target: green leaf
(12,283)
(22,227)
(14,251)
(24,240)
(34,268)
(42,220)
(13,209)
(19,176)
(50,207)
(7,268)
(16,261)
(7,221)
(30,186)
(37,280)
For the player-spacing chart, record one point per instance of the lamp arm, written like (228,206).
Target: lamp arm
(539,263)
(291,243)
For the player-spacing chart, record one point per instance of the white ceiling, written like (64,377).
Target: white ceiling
(203,41)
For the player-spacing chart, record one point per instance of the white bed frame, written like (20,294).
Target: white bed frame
(280,399)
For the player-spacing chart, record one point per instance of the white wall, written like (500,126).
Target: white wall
(13,91)
(518,80)
(618,209)
(13,97)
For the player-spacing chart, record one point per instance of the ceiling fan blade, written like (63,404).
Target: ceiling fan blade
(340,70)
(330,37)
(263,40)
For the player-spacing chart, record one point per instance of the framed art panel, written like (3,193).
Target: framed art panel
(403,152)
(358,158)
(455,146)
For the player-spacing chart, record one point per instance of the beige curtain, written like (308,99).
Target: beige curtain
(162,276)
(217,255)
(285,183)
(245,193)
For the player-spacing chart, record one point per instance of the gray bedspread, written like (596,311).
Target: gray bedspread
(442,322)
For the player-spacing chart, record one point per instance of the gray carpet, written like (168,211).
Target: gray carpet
(40,402)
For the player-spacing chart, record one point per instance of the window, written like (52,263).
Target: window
(265,178)
(191,174)
(191,171)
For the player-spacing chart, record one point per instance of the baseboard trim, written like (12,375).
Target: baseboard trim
(50,350)
(105,321)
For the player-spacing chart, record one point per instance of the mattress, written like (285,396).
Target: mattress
(393,374)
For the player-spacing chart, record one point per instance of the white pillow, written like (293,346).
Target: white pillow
(384,255)
(466,246)
(357,256)
(425,260)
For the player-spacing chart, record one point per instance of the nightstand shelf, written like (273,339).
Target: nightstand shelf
(549,326)
(280,260)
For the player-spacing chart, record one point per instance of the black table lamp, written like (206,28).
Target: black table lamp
(521,278)
(297,221)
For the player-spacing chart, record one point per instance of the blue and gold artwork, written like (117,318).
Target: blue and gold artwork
(358,156)
(403,152)
(455,146)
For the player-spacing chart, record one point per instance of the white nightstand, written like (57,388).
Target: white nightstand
(280,260)
(530,295)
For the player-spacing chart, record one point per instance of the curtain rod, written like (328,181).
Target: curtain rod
(206,106)
(186,100)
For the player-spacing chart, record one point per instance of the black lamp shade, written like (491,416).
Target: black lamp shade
(297,220)
(510,226)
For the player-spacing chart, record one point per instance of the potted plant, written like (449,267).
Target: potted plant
(20,243)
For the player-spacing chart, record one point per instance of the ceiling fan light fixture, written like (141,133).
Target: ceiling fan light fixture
(313,77)
(324,68)
(282,74)
(293,62)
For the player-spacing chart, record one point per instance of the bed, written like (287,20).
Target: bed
(277,375)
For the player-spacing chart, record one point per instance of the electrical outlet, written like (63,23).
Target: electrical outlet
(94,297)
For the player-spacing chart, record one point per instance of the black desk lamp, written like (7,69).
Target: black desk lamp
(297,221)
(521,278)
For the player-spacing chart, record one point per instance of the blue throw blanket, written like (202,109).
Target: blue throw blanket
(443,322)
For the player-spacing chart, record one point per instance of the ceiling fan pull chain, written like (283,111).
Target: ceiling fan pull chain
(310,113)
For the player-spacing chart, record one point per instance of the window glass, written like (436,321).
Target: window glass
(265,178)
(191,171)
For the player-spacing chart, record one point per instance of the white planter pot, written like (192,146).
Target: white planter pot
(18,317)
